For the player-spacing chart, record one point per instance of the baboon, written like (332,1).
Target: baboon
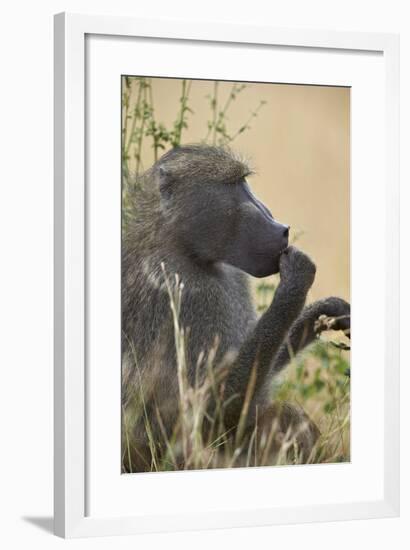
(194,214)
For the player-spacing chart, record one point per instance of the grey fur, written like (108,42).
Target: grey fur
(182,218)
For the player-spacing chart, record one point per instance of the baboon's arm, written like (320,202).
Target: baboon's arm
(253,364)
(303,331)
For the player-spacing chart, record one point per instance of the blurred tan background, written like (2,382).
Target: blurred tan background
(298,144)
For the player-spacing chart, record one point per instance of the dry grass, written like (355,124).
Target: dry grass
(316,381)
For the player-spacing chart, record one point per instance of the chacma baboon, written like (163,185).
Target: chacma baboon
(194,215)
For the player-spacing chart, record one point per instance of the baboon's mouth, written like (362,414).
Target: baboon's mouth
(275,268)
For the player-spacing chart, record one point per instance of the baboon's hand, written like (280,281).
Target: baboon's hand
(296,269)
(338,311)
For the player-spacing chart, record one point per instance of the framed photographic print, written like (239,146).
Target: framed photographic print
(226,275)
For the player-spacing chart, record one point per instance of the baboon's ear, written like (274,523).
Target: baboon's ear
(165,183)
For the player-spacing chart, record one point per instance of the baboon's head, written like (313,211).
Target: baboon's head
(210,211)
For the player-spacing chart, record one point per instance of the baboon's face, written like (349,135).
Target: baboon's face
(257,239)
(218,222)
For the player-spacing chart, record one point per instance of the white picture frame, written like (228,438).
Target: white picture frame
(72,519)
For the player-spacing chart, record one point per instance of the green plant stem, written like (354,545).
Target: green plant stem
(154,136)
(222,114)
(215,108)
(141,132)
(246,125)
(186,88)
(134,120)
(126,105)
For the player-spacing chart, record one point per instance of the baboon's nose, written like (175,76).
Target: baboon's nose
(286,231)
